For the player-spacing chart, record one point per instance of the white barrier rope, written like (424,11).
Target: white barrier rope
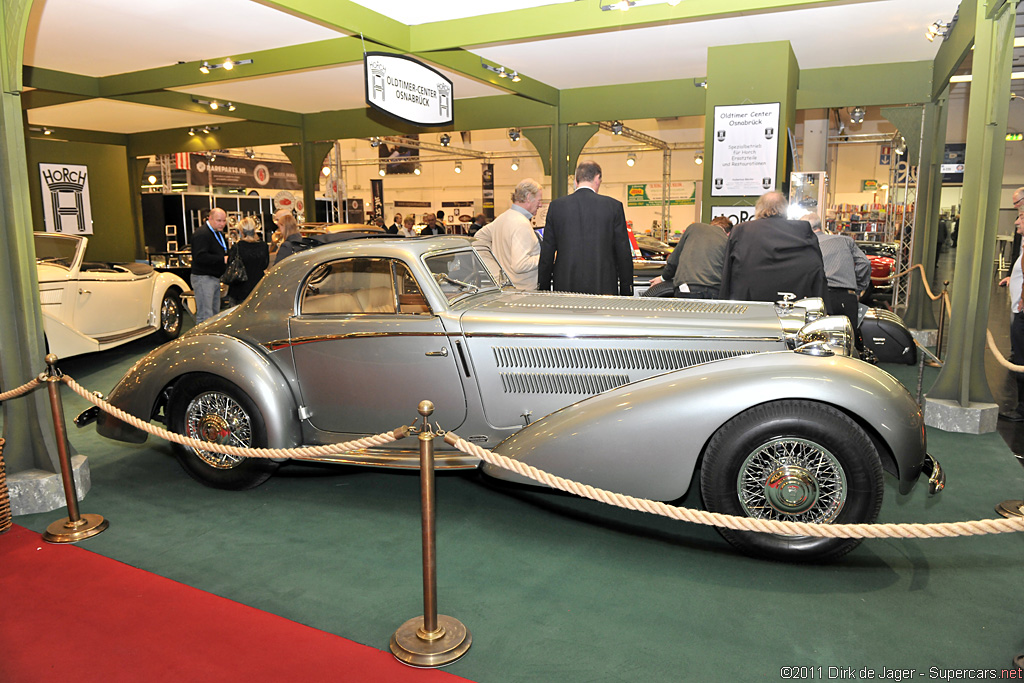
(20,391)
(296,453)
(941,530)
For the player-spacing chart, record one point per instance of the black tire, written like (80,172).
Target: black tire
(198,406)
(170,317)
(831,470)
(664,289)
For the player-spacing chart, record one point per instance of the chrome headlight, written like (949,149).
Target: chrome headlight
(834,330)
(814,307)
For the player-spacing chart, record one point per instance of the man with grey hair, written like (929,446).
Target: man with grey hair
(510,238)
(586,245)
(771,254)
(847,270)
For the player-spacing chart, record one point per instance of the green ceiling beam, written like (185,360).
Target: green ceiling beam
(955,47)
(350,17)
(185,102)
(468,64)
(583,17)
(58,81)
(78,135)
(35,99)
(265,63)
(633,101)
(868,85)
(229,136)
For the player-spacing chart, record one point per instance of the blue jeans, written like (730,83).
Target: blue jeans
(207,291)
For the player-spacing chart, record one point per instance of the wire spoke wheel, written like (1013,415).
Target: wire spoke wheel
(794,480)
(218,418)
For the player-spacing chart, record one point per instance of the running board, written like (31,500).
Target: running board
(141,332)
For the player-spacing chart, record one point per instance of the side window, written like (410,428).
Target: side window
(410,296)
(359,285)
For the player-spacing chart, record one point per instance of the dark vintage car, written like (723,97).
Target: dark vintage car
(760,405)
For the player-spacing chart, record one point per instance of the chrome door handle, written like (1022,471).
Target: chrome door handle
(85,291)
(442,352)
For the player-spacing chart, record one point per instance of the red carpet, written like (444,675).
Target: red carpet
(67,614)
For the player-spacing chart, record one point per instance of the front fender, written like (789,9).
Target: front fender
(164,282)
(139,391)
(645,439)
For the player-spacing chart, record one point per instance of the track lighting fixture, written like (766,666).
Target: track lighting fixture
(326,170)
(191,131)
(938,29)
(630,159)
(458,167)
(857,115)
(698,158)
(513,134)
(228,64)
(503,72)
(250,153)
(381,171)
(416,170)
(214,104)
(375,142)
(616,127)
(515,164)
(445,139)
(203,129)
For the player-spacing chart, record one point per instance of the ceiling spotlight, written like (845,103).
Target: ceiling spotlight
(204,68)
(515,77)
(191,131)
(938,29)
(47,131)
(228,64)
(513,134)
(214,105)
(211,157)
(250,153)
(630,159)
(152,180)
(381,171)
(445,139)
(616,127)
(901,148)
(326,170)
(857,115)
(501,72)
(416,170)
(458,167)
(698,158)
(515,164)
(231,106)
(375,142)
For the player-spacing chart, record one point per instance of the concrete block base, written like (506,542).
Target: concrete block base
(41,491)
(950,416)
(927,338)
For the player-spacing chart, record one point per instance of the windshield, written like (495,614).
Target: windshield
(57,249)
(459,273)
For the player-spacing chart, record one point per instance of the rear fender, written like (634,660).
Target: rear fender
(646,439)
(141,391)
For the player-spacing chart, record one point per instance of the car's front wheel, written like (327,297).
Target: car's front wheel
(212,409)
(170,316)
(797,461)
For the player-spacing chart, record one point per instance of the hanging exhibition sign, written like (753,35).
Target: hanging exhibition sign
(680,193)
(737,214)
(225,171)
(66,206)
(407,89)
(746,150)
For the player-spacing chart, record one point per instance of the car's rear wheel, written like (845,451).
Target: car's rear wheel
(170,316)
(795,461)
(212,409)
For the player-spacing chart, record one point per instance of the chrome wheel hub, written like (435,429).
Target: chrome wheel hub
(218,418)
(170,318)
(792,479)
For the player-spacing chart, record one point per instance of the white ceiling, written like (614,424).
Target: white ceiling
(106,37)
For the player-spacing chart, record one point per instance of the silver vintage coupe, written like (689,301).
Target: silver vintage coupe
(762,402)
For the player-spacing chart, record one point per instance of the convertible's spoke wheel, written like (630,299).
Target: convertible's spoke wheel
(792,461)
(170,317)
(793,480)
(217,418)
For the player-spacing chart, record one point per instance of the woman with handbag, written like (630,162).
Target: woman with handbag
(254,256)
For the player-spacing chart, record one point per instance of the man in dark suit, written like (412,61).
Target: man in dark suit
(393,228)
(772,254)
(209,260)
(586,247)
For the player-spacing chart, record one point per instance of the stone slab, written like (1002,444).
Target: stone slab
(950,416)
(927,338)
(35,491)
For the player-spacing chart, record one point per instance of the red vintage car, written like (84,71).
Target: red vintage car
(883,266)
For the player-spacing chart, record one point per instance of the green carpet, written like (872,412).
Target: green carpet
(556,588)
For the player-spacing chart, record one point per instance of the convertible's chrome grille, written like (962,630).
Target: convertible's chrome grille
(583,385)
(638,304)
(606,359)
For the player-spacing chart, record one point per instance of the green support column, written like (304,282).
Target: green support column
(758,73)
(307,159)
(920,313)
(28,426)
(579,136)
(559,161)
(541,140)
(136,170)
(960,399)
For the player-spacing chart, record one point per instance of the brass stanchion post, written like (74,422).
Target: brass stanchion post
(433,639)
(74,527)
(942,321)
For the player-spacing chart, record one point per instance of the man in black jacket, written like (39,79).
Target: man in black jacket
(209,259)
(772,254)
(586,247)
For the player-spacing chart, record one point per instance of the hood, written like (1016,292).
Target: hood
(593,315)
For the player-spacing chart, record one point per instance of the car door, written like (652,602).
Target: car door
(367,349)
(110,300)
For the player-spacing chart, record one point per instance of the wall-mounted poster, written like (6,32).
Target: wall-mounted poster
(407,89)
(746,150)
(66,206)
